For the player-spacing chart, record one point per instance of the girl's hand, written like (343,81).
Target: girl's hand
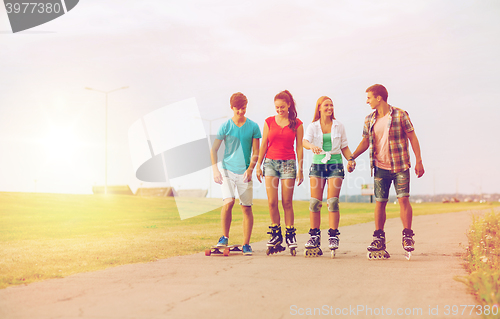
(258,173)
(316,149)
(351,165)
(300,178)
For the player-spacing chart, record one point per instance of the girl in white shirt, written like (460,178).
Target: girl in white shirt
(326,138)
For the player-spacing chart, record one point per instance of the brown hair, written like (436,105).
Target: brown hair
(238,100)
(378,90)
(292,110)
(317,113)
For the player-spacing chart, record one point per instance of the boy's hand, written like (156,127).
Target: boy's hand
(217,177)
(419,169)
(247,177)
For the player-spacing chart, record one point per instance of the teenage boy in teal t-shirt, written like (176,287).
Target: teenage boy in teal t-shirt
(241,139)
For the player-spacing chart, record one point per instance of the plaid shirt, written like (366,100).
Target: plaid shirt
(399,125)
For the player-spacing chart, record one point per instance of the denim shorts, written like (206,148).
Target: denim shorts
(284,169)
(383,181)
(327,171)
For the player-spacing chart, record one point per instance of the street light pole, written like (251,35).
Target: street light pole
(106,135)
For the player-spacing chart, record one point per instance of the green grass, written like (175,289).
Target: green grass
(483,261)
(46,236)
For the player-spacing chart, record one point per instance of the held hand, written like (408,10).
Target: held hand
(300,178)
(419,169)
(259,174)
(217,177)
(316,150)
(351,166)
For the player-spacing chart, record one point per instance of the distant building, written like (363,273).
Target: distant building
(155,191)
(192,193)
(113,190)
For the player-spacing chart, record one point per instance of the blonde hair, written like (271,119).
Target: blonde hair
(317,113)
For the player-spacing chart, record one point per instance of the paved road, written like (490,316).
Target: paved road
(260,286)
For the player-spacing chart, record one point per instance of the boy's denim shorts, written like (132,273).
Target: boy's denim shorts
(284,169)
(327,171)
(383,180)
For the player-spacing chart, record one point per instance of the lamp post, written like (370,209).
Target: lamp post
(210,143)
(106,135)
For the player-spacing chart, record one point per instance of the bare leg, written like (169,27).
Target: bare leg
(406,211)
(380,215)
(287,187)
(317,187)
(334,185)
(272,198)
(227,215)
(247,223)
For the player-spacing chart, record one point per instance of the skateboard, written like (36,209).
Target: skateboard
(226,250)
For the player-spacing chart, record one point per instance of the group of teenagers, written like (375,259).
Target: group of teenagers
(278,158)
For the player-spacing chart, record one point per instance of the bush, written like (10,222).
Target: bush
(483,260)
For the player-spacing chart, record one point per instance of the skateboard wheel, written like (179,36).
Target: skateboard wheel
(208,252)
(226,252)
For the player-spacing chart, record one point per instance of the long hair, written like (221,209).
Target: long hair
(292,110)
(317,113)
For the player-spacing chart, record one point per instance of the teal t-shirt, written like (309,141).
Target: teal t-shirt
(238,144)
(327,146)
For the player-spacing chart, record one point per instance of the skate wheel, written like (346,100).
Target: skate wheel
(408,255)
(369,255)
(333,253)
(293,252)
(208,252)
(226,252)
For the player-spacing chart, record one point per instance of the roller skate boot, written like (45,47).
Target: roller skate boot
(333,240)
(313,245)
(408,242)
(376,250)
(290,240)
(275,240)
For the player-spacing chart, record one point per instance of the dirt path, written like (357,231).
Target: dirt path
(279,286)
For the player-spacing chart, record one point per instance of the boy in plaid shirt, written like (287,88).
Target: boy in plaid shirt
(386,132)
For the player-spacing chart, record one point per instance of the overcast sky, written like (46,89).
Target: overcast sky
(438,60)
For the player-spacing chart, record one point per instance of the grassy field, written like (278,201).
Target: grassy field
(46,236)
(483,262)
